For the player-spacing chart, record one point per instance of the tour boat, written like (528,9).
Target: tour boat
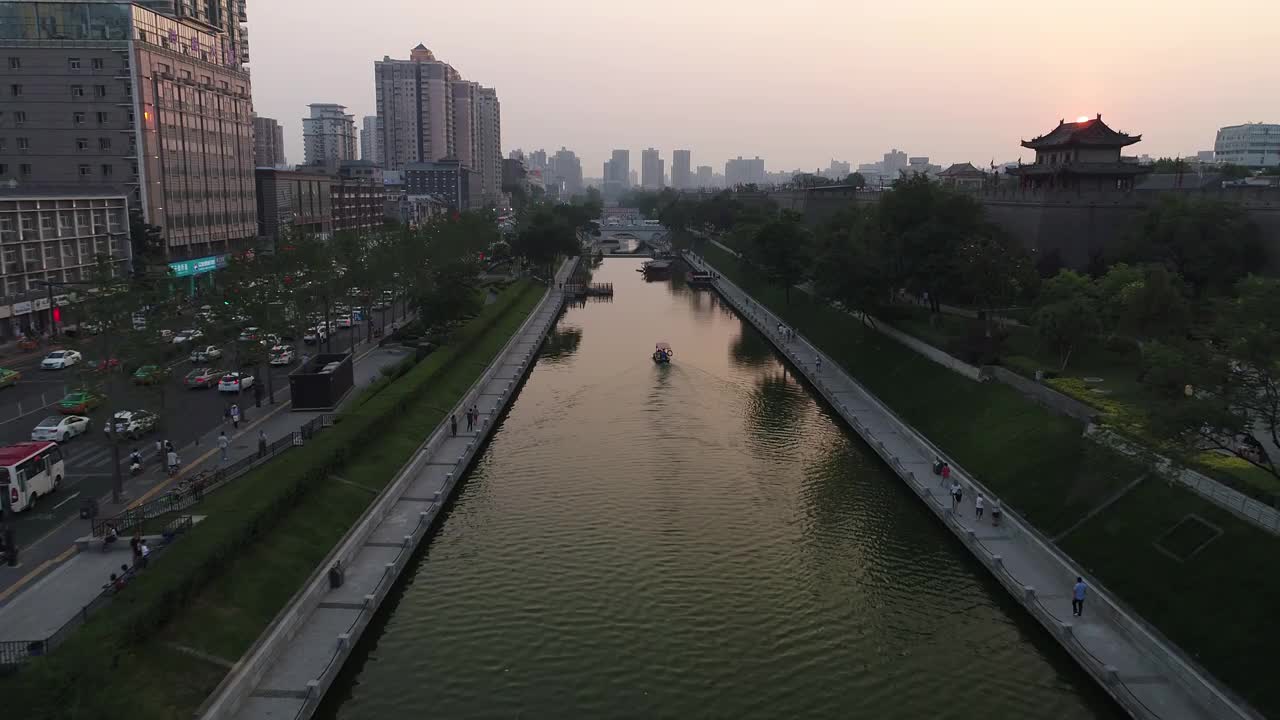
(656,269)
(662,353)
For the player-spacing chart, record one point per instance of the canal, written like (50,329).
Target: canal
(693,540)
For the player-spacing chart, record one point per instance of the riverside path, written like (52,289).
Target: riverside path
(1145,674)
(286,673)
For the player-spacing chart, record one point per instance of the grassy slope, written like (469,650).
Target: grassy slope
(1217,606)
(152,679)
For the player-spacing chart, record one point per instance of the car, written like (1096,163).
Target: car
(203,378)
(79,402)
(269,340)
(149,375)
(133,424)
(344,321)
(166,335)
(60,360)
(102,366)
(248,334)
(316,334)
(282,355)
(186,336)
(235,382)
(9,377)
(205,354)
(60,428)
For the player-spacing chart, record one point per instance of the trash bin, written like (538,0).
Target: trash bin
(88,509)
(336,575)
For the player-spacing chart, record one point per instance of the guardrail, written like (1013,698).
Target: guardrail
(191,490)
(16,652)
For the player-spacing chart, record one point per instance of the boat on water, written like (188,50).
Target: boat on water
(656,269)
(662,353)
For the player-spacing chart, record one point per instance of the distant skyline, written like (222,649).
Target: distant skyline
(797,83)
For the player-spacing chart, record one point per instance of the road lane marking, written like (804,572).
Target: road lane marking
(69,499)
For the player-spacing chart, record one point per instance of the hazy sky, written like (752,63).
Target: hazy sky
(798,82)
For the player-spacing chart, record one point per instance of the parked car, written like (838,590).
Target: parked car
(133,424)
(316,334)
(282,355)
(79,402)
(235,382)
(9,377)
(60,360)
(205,354)
(269,340)
(149,375)
(60,428)
(188,335)
(203,378)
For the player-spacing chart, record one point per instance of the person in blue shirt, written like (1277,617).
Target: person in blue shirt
(1077,597)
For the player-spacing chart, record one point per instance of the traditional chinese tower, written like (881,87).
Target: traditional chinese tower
(1083,156)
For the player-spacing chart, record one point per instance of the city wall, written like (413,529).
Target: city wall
(1077,225)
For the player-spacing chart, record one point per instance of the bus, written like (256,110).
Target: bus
(29,471)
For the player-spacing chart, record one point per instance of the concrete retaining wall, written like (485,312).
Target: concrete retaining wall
(1046,396)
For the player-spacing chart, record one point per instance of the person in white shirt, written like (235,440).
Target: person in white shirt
(977,505)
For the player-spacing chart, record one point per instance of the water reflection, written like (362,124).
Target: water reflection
(750,349)
(562,342)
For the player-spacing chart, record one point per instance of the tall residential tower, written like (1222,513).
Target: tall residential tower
(329,135)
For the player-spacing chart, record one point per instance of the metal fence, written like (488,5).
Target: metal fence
(190,490)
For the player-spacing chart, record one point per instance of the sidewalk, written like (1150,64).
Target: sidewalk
(289,668)
(1132,663)
(57,589)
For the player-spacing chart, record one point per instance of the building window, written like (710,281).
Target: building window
(23,144)
(104,143)
(25,169)
(104,118)
(77,118)
(77,91)
(107,171)
(73,63)
(85,171)
(4,170)
(98,64)
(19,118)
(15,90)
(100,91)
(82,144)
(15,63)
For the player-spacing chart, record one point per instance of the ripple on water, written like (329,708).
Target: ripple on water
(693,541)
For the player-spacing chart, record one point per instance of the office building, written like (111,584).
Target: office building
(329,135)
(466,122)
(1254,145)
(620,168)
(151,102)
(268,142)
(838,170)
(358,195)
(457,185)
(705,174)
(489,145)
(565,170)
(55,237)
(681,177)
(294,202)
(652,171)
(370,140)
(894,164)
(744,172)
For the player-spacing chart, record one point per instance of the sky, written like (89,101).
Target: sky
(797,82)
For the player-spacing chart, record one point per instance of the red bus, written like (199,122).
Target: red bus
(29,471)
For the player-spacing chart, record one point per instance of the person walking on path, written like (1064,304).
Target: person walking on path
(977,506)
(453,425)
(171,461)
(226,415)
(996,512)
(475,415)
(160,452)
(956,495)
(817,364)
(262,444)
(144,554)
(1077,597)
(223,444)
(471,424)
(235,416)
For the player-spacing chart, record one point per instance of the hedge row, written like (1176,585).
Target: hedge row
(66,683)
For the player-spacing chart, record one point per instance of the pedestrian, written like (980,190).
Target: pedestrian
(977,505)
(235,416)
(226,414)
(168,447)
(475,415)
(134,543)
(453,425)
(956,494)
(1077,597)
(144,553)
(171,462)
(471,424)
(262,444)
(996,512)
(223,444)
(779,329)
(817,364)
(160,452)
(946,471)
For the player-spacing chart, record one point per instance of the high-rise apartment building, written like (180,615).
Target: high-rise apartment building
(895,162)
(329,135)
(838,170)
(370,140)
(744,172)
(620,168)
(268,142)
(652,172)
(566,170)
(681,178)
(427,112)
(148,100)
(1255,145)
(705,175)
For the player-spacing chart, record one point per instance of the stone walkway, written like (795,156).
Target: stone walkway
(1147,676)
(286,673)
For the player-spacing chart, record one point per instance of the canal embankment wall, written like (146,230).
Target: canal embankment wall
(288,670)
(1144,672)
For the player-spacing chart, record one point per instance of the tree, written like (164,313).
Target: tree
(782,249)
(546,237)
(1209,243)
(1155,307)
(148,243)
(850,266)
(1231,171)
(856,180)
(1067,315)
(995,271)
(925,224)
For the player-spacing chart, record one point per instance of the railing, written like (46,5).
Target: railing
(191,490)
(16,652)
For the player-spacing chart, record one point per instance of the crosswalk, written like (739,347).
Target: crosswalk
(88,459)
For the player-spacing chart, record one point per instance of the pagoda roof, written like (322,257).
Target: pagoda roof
(1091,133)
(962,170)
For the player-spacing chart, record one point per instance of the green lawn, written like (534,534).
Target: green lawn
(1217,605)
(96,677)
